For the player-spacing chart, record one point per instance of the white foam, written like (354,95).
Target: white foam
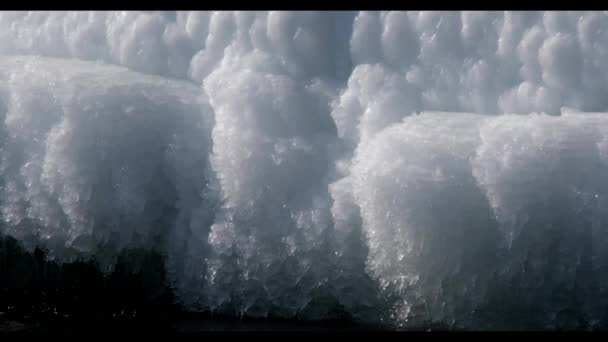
(280,163)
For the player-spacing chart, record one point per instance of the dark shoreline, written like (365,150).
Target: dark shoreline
(41,296)
(32,287)
(187,323)
(179,326)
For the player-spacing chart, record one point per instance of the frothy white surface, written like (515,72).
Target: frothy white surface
(279,162)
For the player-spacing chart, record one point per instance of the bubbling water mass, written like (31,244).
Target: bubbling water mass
(395,167)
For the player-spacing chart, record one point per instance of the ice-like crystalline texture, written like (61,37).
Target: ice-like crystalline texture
(94,157)
(405,167)
(462,210)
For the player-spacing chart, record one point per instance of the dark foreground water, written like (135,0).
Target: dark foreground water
(41,296)
(184,324)
(38,295)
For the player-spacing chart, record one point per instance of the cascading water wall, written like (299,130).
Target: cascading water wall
(395,167)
